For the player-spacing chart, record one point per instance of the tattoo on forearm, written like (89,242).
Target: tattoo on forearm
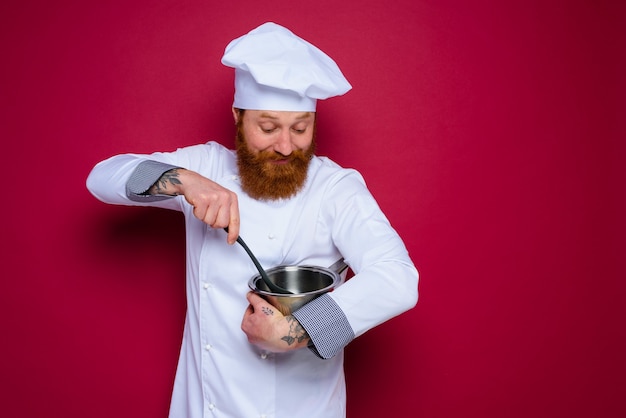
(267,311)
(296,331)
(169,177)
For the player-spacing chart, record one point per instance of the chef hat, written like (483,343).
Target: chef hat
(277,70)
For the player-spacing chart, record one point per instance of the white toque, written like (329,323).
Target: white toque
(277,70)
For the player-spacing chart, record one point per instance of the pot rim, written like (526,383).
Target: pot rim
(336,278)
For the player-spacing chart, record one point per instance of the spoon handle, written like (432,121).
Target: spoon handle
(274,288)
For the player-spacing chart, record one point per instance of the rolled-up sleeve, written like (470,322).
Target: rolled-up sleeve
(143,177)
(327,326)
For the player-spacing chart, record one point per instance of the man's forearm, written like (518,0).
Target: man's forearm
(168,184)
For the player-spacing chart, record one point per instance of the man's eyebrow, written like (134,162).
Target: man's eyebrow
(304,115)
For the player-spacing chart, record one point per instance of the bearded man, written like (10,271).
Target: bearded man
(241,357)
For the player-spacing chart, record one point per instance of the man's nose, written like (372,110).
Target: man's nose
(283,143)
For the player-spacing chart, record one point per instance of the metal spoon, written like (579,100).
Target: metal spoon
(274,288)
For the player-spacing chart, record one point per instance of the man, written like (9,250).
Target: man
(292,208)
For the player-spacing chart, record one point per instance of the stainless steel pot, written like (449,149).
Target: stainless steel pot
(304,282)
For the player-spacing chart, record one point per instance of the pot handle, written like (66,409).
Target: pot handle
(339,266)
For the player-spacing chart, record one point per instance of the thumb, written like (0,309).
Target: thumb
(255,300)
(258,304)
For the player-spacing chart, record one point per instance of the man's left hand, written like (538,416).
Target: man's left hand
(269,329)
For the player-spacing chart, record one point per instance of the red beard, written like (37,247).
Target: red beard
(263,179)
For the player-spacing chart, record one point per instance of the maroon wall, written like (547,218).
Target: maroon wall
(491,132)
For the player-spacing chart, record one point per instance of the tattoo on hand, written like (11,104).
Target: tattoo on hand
(296,331)
(267,311)
(171,177)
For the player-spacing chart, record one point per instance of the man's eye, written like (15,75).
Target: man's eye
(299,130)
(268,130)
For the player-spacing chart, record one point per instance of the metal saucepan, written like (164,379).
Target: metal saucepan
(304,282)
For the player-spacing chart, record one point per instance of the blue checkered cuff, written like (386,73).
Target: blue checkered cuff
(327,326)
(145,175)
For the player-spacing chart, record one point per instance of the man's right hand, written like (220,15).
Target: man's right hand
(213,204)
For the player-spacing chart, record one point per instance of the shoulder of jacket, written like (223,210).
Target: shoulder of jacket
(328,169)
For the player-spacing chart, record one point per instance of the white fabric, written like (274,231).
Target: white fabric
(219,373)
(277,70)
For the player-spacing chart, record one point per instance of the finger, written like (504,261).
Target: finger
(245,321)
(204,213)
(233,223)
(249,311)
(221,219)
(199,212)
(210,216)
(255,300)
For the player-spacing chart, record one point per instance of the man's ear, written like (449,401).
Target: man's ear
(235,115)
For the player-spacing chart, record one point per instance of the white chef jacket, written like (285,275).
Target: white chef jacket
(220,374)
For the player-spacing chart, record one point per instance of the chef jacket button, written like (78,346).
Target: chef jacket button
(208,347)
(263,356)
(271,236)
(206,285)
(211,406)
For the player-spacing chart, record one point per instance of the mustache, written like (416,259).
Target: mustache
(276,156)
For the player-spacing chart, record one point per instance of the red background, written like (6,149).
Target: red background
(492,134)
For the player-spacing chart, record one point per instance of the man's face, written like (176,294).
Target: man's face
(273,151)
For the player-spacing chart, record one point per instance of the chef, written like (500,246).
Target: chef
(240,357)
